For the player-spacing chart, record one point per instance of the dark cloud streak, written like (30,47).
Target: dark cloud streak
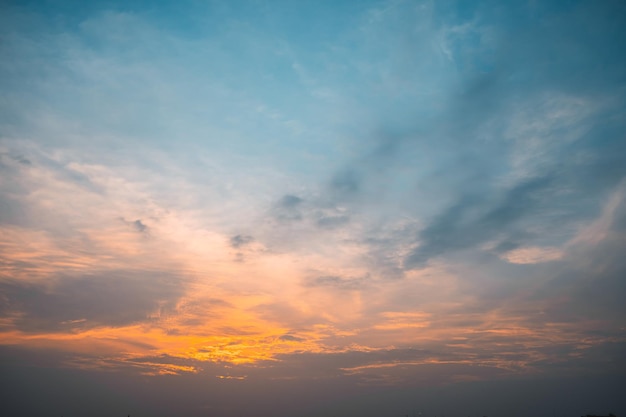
(115,298)
(540,55)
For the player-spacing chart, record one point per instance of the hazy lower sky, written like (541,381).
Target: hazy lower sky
(312,208)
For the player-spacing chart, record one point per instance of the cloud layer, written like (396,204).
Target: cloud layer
(373,194)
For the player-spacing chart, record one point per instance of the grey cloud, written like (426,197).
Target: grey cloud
(337,282)
(288,315)
(7,158)
(25,175)
(366,178)
(116,298)
(543,209)
(290,201)
(490,359)
(581,293)
(332,221)
(591,284)
(506,246)
(472,221)
(294,385)
(290,338)
(13,212)
(327,216)
(139,226)
(316,211)
(347,182)
(288,208)
(239,241)
(136,225)
(408,366)
(23,160)
(333,364)
(464,152)
(455,171)
(66,173)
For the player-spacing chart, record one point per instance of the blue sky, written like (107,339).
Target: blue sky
(381,200)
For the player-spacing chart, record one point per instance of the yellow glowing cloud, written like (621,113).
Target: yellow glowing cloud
(251,308)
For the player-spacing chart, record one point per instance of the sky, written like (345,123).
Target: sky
(313,208)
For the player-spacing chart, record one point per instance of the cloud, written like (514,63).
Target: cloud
(139,226)
(239,241)
(346,183)
(340,283)
(69,304)
(532,255)
(588,286)
(513,147)
(291,338)
(472,221)
(330,222)
(288,208)
(527,211)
